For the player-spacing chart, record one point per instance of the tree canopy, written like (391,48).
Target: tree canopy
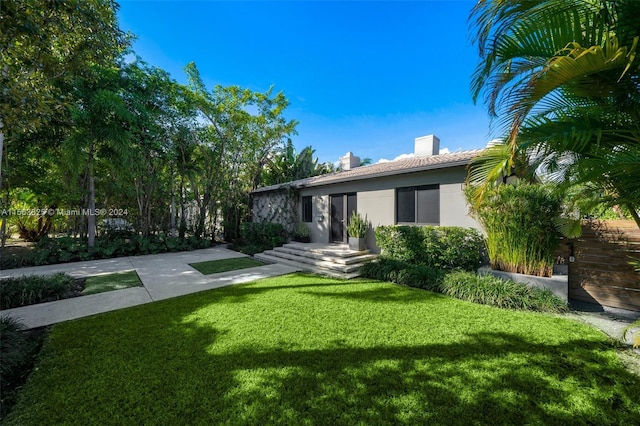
(561,78)
(89,127)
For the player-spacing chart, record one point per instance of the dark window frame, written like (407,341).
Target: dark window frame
(420,195)
(307,208)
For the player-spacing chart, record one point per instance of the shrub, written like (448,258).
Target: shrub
(357,227)
(266,234)
(117,244)
(520,224)
(28,290)
(494,291)
(18,349)
(483,289)
(399,272)
(445,247)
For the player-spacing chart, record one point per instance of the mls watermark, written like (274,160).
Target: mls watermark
(63,212)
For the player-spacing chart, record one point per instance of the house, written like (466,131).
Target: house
(426,189)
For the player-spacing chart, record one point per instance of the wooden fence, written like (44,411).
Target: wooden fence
(602,272)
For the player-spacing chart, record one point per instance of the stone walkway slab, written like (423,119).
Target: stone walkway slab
(163,276)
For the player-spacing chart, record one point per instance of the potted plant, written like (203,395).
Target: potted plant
(302,234)
(357,229)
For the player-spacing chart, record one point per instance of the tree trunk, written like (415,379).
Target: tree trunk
(634,213)
(3,228)
(172,209)
(91,218)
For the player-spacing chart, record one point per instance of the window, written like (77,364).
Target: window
(418,205)
(306,209)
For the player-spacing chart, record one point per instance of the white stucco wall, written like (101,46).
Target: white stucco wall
(454,210)
(379,207)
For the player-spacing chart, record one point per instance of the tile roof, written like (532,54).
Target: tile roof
(409,165)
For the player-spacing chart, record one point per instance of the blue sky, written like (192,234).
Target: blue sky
(366,77)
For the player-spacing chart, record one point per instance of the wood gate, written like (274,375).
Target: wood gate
(602,272)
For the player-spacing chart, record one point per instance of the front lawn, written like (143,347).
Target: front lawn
(301,349)
(110,282)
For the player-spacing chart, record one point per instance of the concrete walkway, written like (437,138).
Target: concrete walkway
(169,275)
(163,276)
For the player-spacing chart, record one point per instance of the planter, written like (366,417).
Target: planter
(358,244)
(559,285)
(300,239)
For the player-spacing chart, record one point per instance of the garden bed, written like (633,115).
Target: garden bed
(557,284)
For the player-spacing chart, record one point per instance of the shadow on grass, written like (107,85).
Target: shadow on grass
(381,294)
(167,366)
(446,384)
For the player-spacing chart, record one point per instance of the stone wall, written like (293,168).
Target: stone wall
(277,207)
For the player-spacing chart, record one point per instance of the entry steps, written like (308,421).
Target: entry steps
(334,260)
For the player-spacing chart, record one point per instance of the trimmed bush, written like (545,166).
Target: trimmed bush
(399,272)
(491,290)
(519,220)
(28,290)
(66,249)
(442,247)
(258,237)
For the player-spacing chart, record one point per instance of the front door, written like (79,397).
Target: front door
(342,205)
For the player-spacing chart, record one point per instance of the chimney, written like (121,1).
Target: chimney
(426,146)
(349,161)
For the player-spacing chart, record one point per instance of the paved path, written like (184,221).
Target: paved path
(169,275)
(163,276)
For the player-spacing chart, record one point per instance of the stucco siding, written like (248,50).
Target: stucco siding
(377,199)
(379,207)
(454,210)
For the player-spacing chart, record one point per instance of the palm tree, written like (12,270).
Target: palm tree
(288,165)
(561,79)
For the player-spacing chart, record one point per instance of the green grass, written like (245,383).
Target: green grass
(110,282)
(307,350)
(224,265)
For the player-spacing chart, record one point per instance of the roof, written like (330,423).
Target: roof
(391,168)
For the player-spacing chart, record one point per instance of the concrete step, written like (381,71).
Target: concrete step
(321,256)
(326,264)
(264,257)
(334,250)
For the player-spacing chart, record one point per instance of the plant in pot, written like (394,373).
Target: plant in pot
(302,234)
(357,229)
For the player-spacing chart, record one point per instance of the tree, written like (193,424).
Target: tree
(44,45)
(98,132)
(234,146)
(288,165)
(562,80)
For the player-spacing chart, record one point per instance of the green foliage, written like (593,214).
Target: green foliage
(258,237)
(302,349)
(223,265)
(66,249)
(357,225)
(491,290)
(302,230)
(441,247)
(520,223)
(31,289)
(483,289)
(634,328)
(287,165)
(18,349)
(560,77)
(110,282)
(399,272)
